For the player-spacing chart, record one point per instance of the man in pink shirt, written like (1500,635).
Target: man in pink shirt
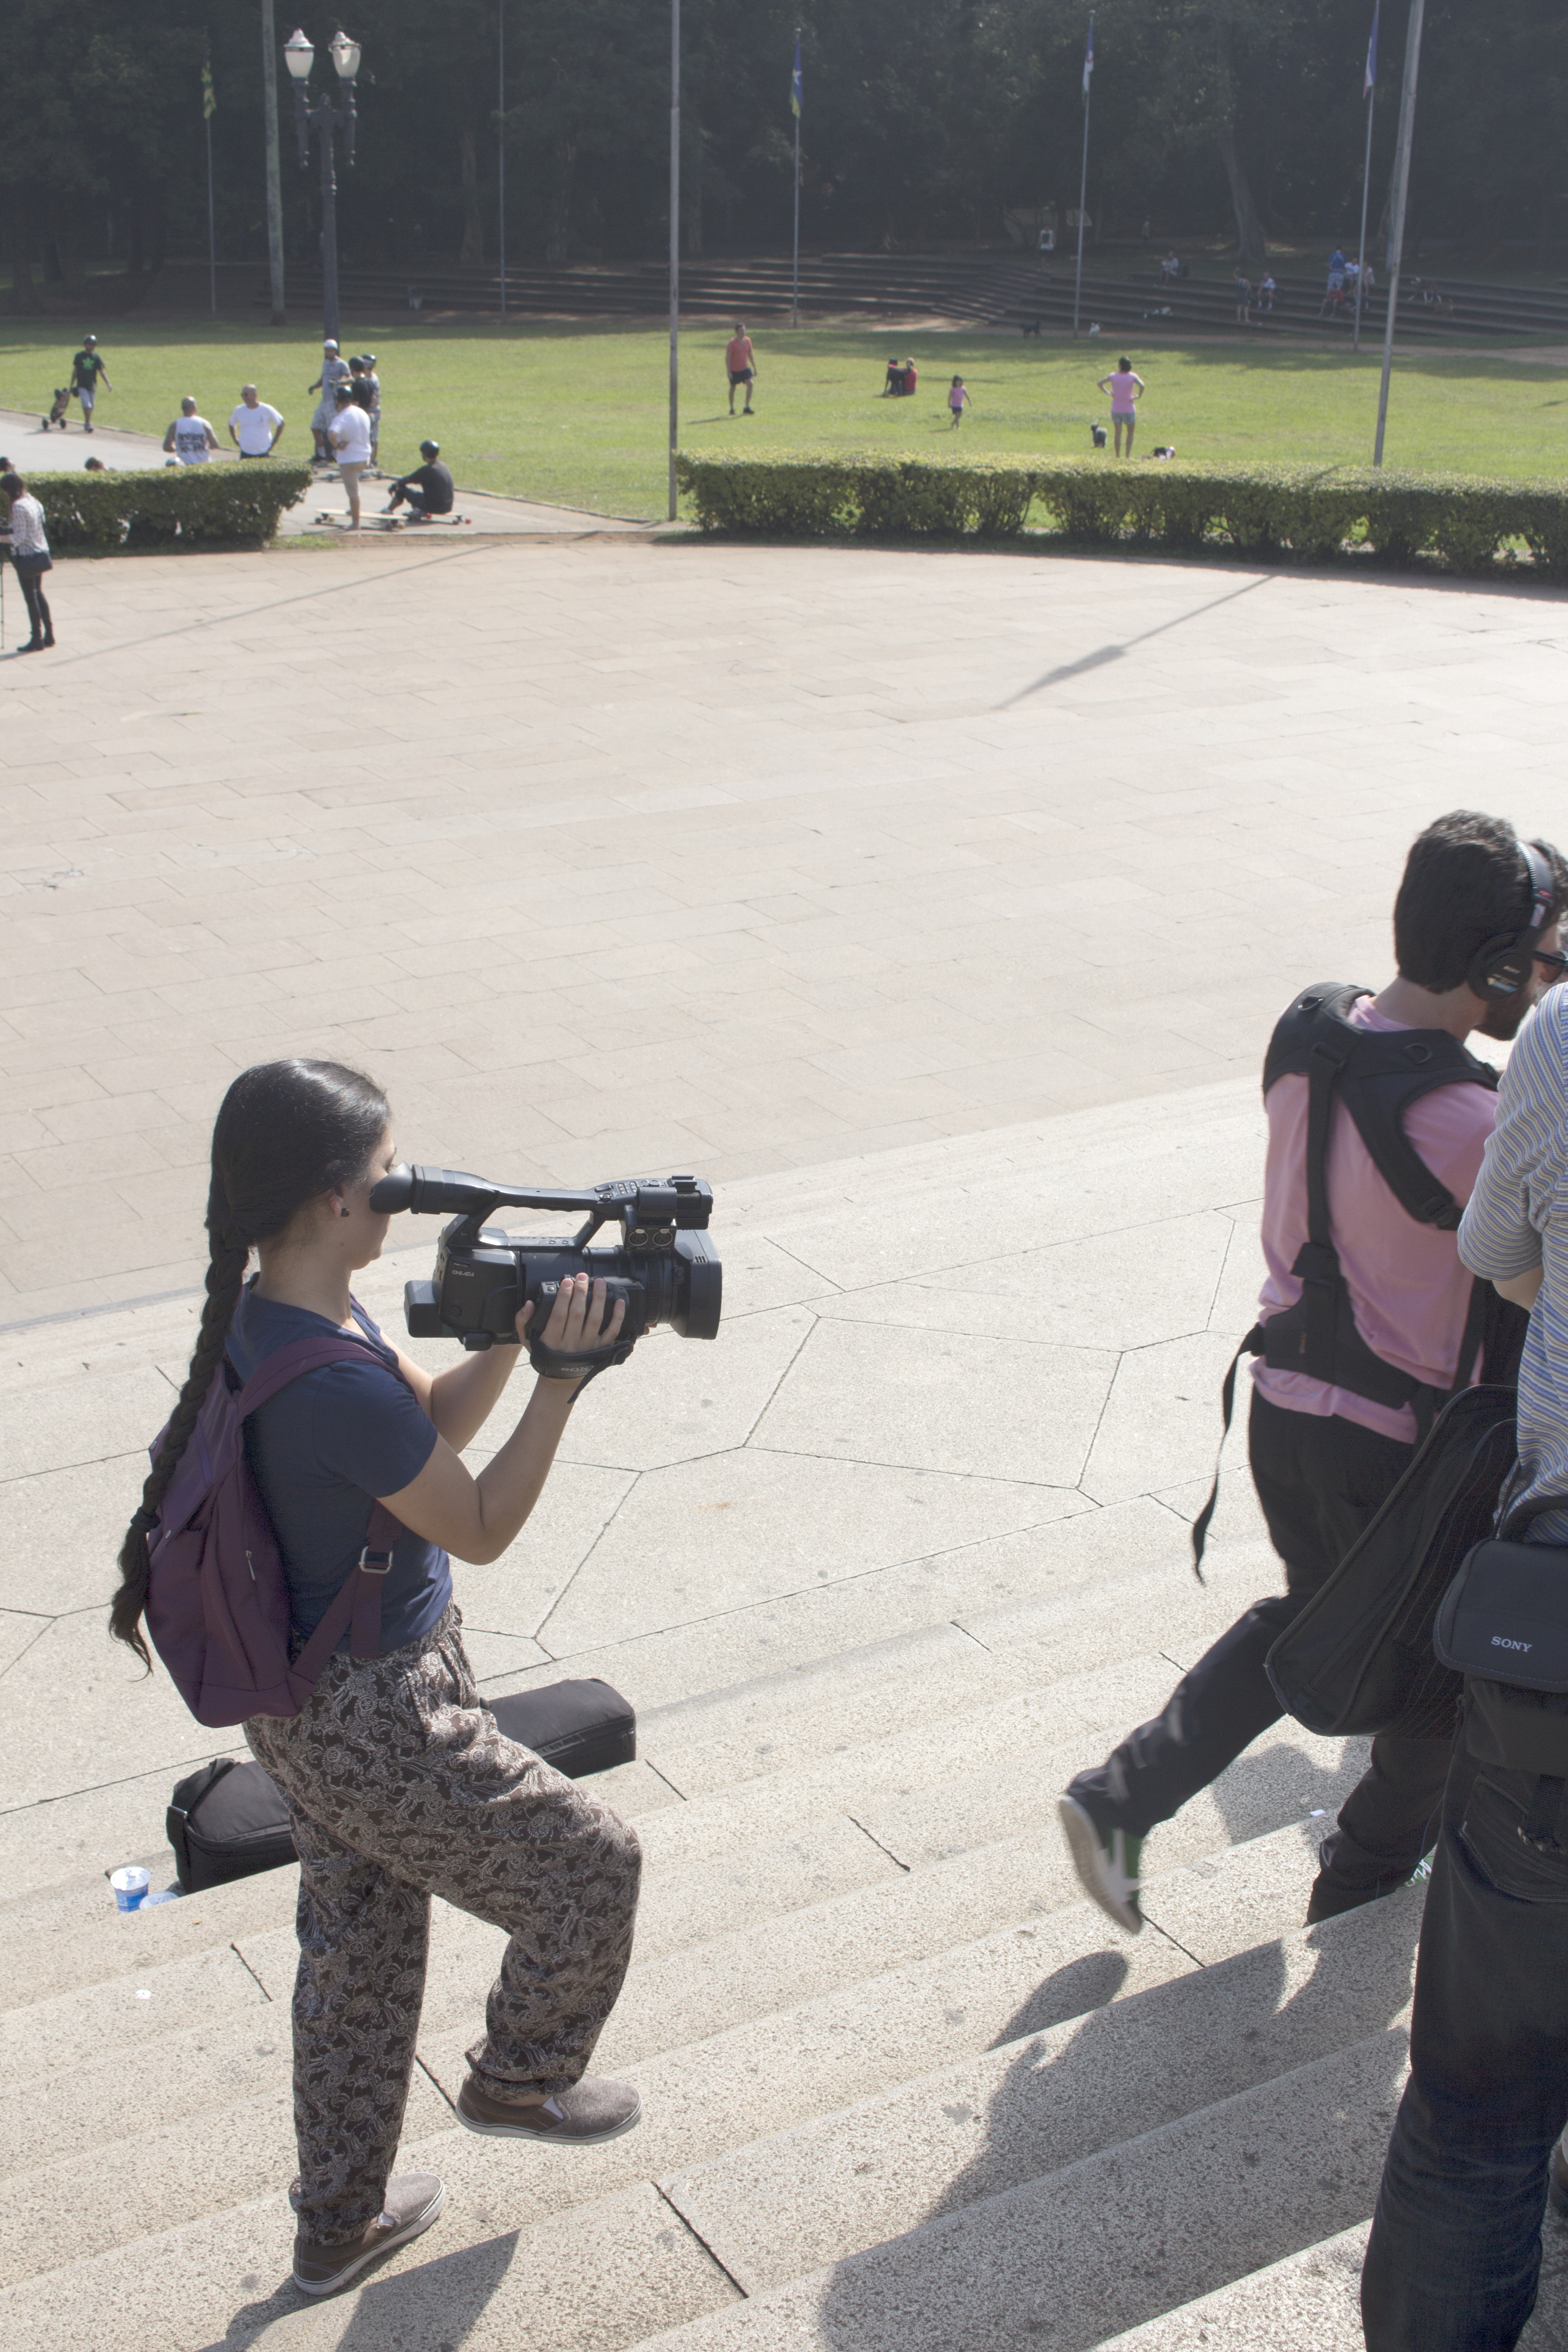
(1367,1321)
(740,362)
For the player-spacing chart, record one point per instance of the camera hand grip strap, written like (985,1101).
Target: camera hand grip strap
(553,1364)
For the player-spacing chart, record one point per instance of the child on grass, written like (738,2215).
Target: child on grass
(957,398)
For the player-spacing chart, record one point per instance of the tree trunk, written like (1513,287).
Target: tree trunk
(1250,245)
(473,251)
(24,295)
(558,218)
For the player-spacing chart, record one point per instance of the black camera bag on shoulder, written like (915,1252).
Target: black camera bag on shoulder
(229,1820)
(1503,1626)
(1358,1658)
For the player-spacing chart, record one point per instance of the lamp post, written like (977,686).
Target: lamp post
(324,119)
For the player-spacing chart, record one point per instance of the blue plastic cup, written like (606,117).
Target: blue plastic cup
(129,1886)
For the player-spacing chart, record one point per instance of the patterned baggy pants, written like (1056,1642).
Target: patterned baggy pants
(400,1786)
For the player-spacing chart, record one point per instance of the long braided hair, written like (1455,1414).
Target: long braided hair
(286,1133)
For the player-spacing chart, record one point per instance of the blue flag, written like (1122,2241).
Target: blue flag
(1088,58)
(1367,87)
(794,82)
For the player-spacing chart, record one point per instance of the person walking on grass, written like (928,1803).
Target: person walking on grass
(190,439)
(87,372)
(741,361)
(28,546)
(1126,389)
(349,433)
(958,400)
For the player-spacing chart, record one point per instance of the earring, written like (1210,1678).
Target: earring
(342,1208)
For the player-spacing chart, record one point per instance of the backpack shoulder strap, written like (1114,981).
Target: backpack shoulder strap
(1320,1014)
(301,1355)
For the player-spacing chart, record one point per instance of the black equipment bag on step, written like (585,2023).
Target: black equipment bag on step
(1359,1658)
(229,1820)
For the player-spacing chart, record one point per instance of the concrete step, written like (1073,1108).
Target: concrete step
(1112,2241)
(769,2072)
(595,2277)
(1312,2299)
(796,2068)
(827,2190)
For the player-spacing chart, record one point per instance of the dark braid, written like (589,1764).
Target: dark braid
(286,1133)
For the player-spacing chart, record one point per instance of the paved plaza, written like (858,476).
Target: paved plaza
(609,856)
(936,906)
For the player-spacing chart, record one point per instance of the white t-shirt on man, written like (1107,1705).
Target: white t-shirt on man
(254,428)
(350,434)
(191,437)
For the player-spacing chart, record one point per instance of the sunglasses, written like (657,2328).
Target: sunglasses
(1556,964)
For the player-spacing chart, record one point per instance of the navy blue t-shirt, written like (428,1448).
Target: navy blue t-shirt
(321,1449)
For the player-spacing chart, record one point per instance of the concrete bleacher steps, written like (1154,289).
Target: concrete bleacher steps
(981,289)
(867,1991)
(903,2086)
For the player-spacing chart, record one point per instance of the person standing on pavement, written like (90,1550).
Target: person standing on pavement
(398,1783)
(367,392)
(741,361)
(87,372)
(27,543)
(254,428)
(1126,389)
(190,437)
(334,372)
(1453,2263)
(348,435)
(1401,1325)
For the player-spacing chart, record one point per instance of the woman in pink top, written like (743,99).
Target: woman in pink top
(1125,388)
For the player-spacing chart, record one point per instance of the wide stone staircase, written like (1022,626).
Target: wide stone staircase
(904,2090)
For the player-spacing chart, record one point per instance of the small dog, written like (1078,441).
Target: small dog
(1097,435)
(56,414)
(1031,327)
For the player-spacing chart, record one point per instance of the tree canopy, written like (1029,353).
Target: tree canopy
(924,120)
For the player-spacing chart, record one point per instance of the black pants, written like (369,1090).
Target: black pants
(1455,2254)
(36,603)
(1319,1481)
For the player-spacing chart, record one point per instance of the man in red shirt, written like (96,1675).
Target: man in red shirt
(1475,941)
(741,362)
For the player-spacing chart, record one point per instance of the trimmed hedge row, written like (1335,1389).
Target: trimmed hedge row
(184,506)
(1307,512)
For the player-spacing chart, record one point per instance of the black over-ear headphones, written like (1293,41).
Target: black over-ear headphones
(1502,965)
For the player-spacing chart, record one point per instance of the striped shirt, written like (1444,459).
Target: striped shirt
(1517,1219)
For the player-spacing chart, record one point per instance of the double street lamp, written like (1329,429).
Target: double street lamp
(325,118)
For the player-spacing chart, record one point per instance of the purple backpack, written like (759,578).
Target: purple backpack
(217,1598)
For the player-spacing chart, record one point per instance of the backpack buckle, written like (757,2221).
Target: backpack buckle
(373,1563)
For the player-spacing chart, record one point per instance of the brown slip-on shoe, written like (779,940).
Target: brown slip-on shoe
(413,2202)
(591,2110)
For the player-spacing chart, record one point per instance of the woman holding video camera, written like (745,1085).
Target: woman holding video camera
(399,1784)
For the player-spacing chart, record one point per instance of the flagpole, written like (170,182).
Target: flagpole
(207,124)
(796,95)
(1360,250)
(1083,177)
(501,146)
(674,242)
(1396,227)
(1371,94)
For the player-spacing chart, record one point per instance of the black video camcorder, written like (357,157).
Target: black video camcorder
(664,1268)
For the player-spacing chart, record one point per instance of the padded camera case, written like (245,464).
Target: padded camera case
(229,1820)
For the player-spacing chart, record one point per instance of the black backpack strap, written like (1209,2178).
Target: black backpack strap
(1251,1346)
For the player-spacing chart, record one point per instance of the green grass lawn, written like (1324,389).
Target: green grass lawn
(576,414)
